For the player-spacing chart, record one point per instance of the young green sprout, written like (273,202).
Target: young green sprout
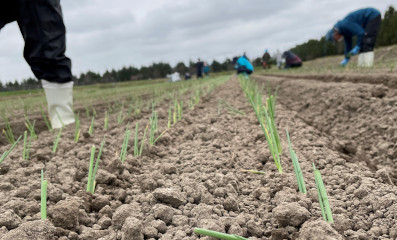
(297,168)
(169,117)
(56,141)
(87,111)
(60,119)
(322,196)
(153,127)
(77,128)
(175,115)
(124,147)
(120,117)
(219,235)
(8,131)
(180,110)
(266,120)
(105,125)
(26,146)
(93,169)
(43,204)
(30,127)
(91,129)
(93,111)
(5,154)
(47,123)
(143,141)
(136,150)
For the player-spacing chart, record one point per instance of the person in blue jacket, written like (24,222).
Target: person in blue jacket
(364,24)
(243,65)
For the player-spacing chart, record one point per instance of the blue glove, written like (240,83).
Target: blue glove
(344,62)
(354,51)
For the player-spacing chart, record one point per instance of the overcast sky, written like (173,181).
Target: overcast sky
(103,34)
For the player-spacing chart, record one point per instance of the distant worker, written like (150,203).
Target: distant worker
(291,60)
(187,76)
(43,31)
(266,60)
(279,59)
(243,65)
(199,68)
(174,77)
(364,24)
(206,69)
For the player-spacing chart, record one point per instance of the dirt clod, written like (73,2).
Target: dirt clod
(169,195)
(290,214)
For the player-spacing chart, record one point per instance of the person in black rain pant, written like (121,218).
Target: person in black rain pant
(43,30)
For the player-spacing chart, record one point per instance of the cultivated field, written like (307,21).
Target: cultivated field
(188,172)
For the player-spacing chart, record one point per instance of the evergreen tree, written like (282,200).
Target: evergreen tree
(388,30)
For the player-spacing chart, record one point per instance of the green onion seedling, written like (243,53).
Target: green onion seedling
(169,116)
(322,196)
(26,146)
(175,115)
(47,123)
(180,110)
(105,126)
(136,150)
(43,196)
(8,131)
(92,170)
(94,112)
(266,122)
(143,141)
(87,111)
(218,234)
(297,168)
(124,147)
(56,141)
(77,128)
(5,154)
(120,117)
(91,129)
(60,119)
(30,127)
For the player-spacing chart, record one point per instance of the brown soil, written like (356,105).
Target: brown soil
(191,177)
(386,79)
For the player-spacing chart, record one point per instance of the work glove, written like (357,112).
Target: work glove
(354,51)
(344,62)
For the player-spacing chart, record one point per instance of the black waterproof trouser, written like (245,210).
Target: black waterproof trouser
(43,30)
(293,65)
(371,32)
(243,69)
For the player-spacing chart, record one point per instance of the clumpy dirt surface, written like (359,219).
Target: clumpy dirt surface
(359,118)
(386,79)
(192,176)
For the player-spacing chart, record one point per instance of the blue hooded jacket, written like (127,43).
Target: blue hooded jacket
(243,61)
(354,25)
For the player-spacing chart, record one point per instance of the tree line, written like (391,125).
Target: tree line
(130,73)
(315,48)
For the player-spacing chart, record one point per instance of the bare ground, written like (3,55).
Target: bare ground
(191,177)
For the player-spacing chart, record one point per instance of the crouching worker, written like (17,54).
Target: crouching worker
(43,31)
(364,24)
(291,60)
(243,65)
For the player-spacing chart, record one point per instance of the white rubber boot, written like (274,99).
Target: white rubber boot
(365,59)
(60,102)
